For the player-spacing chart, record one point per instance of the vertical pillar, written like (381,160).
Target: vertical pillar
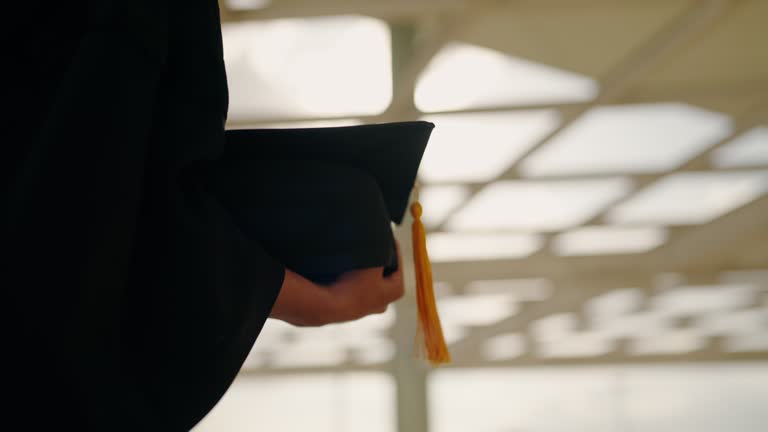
(409,371)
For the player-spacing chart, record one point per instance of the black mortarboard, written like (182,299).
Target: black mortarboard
(321,200)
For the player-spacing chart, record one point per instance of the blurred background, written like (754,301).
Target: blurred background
(596,193)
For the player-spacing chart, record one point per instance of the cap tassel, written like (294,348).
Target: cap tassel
(430,329)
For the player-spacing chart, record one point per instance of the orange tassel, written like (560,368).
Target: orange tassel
(430,329)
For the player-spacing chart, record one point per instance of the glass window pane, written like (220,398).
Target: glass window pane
(308,67)
(663,398)
(300,403)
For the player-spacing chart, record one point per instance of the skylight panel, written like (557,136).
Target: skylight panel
(460,247)
(522,290)
(691,198)
(602,240)
(440,201)
(706,299)
(538,205)
(614,304)
(504,347)
(247,4)
(481,146)
(629,139)
(307,354)
(749,149)
(308,67)
(631,325)
(464,76)
(476,310)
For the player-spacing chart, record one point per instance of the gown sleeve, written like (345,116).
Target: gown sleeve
(133,299)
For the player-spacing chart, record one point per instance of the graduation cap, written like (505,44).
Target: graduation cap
(322,201)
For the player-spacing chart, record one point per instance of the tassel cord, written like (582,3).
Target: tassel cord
(430,329)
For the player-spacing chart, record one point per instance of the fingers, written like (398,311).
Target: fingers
(392,286)
(379,290)
(303,303)
(364,292)
(395,280)
(399,270)
(355,294)
(399,256)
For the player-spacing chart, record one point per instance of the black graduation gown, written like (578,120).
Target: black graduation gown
(131,297)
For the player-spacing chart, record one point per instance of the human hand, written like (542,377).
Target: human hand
(355,294)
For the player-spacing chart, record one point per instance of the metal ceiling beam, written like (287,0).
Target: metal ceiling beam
(616,358)
(288,371)
(382,9)
(700,164)
(401,8)
(707,355)
(721,241)
(650,96)
(697,94)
